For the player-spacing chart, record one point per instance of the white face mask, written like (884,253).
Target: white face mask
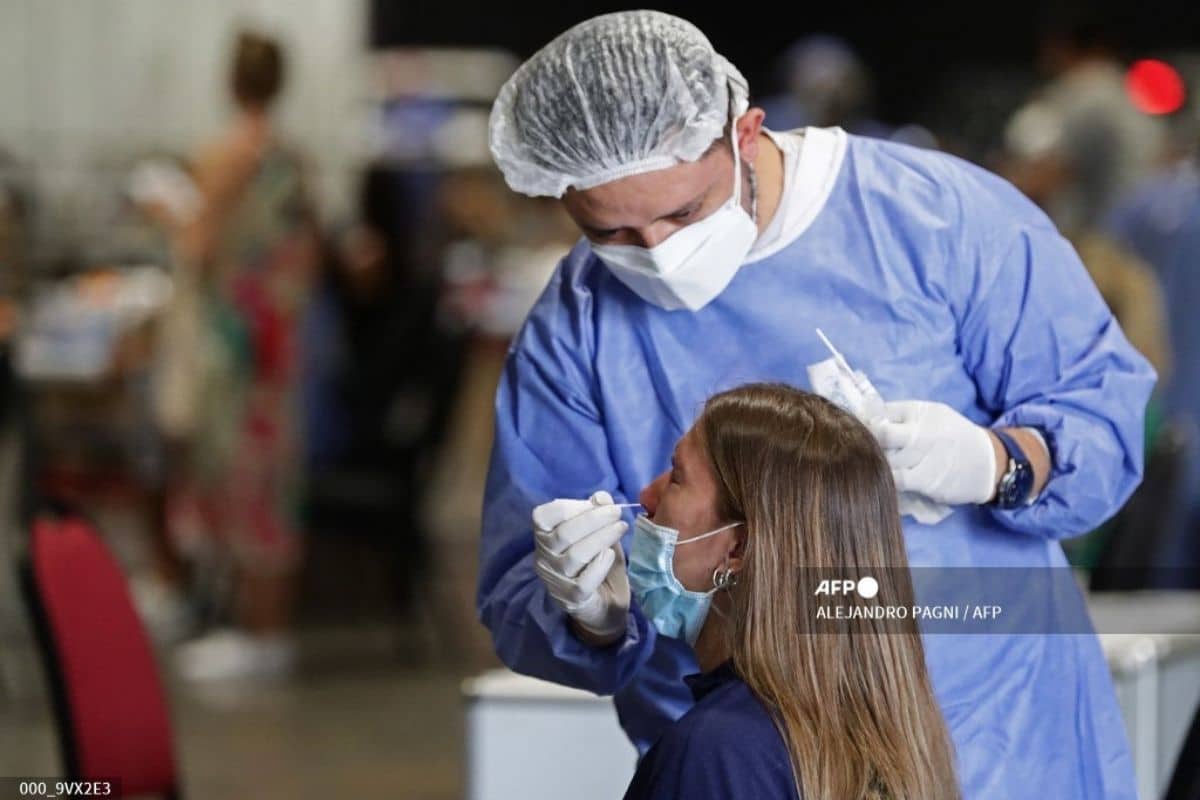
(693,265)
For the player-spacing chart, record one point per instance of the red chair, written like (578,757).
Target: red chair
(108,698)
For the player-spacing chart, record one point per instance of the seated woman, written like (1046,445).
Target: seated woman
(770,486)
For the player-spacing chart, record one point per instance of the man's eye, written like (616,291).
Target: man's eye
(603,235)
(685,214)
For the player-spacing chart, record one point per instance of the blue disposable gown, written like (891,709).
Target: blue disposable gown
(941,282)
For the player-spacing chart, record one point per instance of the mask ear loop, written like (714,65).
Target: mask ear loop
(751,174)
(707,535)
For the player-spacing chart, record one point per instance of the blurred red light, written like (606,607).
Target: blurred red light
(1155,87)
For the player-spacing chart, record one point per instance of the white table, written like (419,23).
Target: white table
(535,740)
(1156,675)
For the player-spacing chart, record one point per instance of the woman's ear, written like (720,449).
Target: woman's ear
(735,557)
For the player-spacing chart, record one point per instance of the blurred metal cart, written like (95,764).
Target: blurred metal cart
(88,360)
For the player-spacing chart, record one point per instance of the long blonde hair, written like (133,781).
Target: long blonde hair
(854,702)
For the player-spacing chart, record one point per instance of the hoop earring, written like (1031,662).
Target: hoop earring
(724,578)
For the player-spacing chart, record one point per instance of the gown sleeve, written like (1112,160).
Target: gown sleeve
(1045,352)
(549,442)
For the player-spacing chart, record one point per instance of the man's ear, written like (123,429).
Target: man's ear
(749,125)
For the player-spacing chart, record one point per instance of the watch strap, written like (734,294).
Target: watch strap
(1017,478)
(1011,447)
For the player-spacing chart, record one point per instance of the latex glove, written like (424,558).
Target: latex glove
(922,509)
(935,452)
(579,558)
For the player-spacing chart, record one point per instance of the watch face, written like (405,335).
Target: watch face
(1015,486)
(1006,490)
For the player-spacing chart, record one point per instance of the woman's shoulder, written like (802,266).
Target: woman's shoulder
(726,746)
(731,717)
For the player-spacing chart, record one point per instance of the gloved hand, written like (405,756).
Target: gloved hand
(936,452)
(578,556)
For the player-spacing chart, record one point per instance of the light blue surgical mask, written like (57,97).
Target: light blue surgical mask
(673,610)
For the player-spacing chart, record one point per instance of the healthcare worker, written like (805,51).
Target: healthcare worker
(712,249)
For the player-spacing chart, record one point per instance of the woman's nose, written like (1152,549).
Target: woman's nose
(649,495)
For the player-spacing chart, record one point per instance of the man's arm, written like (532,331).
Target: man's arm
(548,443)
(1046,353)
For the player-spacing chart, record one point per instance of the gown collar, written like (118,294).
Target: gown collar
(812,159)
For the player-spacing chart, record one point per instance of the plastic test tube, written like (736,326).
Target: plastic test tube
(861,382)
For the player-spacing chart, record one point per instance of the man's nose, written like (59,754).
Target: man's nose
(649,495)
(656,234)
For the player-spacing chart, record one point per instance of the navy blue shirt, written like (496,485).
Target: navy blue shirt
(725,748)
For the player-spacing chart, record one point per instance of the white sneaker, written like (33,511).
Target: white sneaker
(162,608)
(227,655)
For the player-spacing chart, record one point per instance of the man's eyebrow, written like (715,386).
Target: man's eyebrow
(688,206)
(695,201)
(594,230)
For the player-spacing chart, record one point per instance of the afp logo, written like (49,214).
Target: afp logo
(866,587)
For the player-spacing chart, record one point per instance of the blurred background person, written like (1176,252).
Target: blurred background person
(8,328)
(164,200)
(1159,220)
(824,83)
(499,251)
(14,215)
(382,363)
(1078,143)
(14,234)
(254,243)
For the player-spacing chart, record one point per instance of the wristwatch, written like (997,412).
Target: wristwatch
(1015,488)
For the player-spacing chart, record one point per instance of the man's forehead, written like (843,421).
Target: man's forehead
(640,199)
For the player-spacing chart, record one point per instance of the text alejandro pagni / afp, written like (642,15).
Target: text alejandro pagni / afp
(950,612)
(868,588)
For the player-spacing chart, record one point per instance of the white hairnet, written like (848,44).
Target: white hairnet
(617,95)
